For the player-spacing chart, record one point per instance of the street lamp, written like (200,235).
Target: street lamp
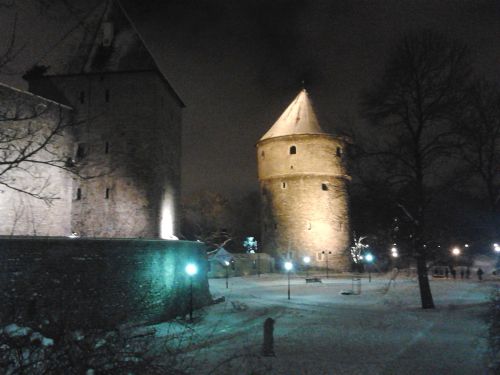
(288,268)
(191,270)
(394,252)
(455,251)
(307,260)
(326,253)
(226,264)
(369,259)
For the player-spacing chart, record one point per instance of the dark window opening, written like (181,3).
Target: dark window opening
(262,153)
(339,152)
(106,95)
(107,193)
(106,148)
(78,194)
(81,151)
(291,166)
(82,97)
(283,185)
(324,187)
(293,150)
(275,226)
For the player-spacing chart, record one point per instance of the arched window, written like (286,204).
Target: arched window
(293,150)
(324,187)
(339,152)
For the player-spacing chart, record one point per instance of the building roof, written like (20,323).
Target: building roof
(298,118)
(103,41)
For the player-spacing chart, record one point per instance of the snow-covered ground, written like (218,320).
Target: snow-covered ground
(320,331)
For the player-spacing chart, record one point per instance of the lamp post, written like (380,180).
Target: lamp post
(307,260)
(326,253)
(288,268)
(226,264)
(369,259)
(191,270)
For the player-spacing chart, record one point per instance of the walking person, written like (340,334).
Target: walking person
(480,274)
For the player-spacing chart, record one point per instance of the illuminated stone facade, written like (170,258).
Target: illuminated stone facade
(126,132)
(303,181)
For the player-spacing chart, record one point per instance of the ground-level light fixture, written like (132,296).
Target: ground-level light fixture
(288,268)
(226,264)
(369,259)
(307,260)
(191,270)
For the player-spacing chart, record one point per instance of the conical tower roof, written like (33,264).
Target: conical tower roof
(298,118)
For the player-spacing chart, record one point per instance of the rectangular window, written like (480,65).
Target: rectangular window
(107,193)
(324,187)
(82,97)
(106,148)
(78,194)
(106,95)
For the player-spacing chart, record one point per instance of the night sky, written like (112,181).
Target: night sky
(237,64)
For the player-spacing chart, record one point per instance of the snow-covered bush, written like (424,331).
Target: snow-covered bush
(26,351)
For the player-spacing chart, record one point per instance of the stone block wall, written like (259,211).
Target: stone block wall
(98,283)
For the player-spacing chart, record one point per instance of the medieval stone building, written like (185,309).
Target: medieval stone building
(303,181)
(125,134)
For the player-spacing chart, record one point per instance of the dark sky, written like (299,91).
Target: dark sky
(238,63)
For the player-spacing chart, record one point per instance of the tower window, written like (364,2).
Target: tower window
(283,185)
(106,148)
(293,150)
(324,187)
(308,225)
(262,154)
(106,95)
(107,193)
(78,194)
(82,97)
(339,152)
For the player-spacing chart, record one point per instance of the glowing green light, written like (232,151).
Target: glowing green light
(191,269)
(369,257)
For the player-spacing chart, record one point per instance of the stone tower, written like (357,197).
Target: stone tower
(127,128)
(303,182)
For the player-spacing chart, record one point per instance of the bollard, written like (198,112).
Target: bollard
(268,344)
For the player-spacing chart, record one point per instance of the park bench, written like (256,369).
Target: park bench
(313,280)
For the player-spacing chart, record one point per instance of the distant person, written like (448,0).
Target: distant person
(467,273)
(462,273)
(454,273)
(480,274)
(446,272)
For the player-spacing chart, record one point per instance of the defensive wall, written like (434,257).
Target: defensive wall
(98,283)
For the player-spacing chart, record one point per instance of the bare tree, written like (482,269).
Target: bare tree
(412,108)
(478,127)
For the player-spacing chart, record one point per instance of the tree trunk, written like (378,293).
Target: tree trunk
(423,282)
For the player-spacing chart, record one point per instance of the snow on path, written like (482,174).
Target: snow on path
(319,331)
